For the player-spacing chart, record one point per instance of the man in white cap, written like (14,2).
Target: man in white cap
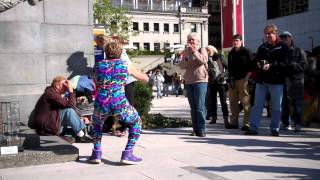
(294,86)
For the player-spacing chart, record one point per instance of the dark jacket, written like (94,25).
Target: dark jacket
(276,56)
(312,77)
(46,112)
(214,76)
(297,64)
(239,63)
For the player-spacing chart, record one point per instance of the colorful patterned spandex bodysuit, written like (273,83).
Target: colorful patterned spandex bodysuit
(111,76)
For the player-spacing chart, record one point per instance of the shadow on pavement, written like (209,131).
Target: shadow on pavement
(301,173)
(85,160)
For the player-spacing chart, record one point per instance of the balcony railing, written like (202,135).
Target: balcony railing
(160,8)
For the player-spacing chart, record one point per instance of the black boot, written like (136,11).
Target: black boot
(226,122)
(213,120)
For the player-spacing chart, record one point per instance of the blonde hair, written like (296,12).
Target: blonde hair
(212,48)
(113,50)
(271,27)
(57,79)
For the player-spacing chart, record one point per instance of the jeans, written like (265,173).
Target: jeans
(159,89)
(196,94)
(176,89)
(292,107)
(276,93)
(69,117)
(166,89)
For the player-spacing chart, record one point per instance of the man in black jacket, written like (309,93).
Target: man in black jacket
(271,64)
(293,89)
(239,68)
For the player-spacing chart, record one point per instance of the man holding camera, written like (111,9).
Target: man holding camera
(271,63)
(239,68)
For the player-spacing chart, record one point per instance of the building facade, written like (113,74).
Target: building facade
(162,23)
(300,17)
(40,42)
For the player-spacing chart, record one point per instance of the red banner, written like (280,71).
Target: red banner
(226,22)
(231,21)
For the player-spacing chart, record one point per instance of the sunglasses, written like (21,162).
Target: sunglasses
(284,37)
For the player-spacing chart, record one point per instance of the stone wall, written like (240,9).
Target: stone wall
(40,42)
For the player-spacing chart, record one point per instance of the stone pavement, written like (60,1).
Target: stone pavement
(172,154)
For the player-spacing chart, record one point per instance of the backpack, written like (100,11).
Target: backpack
(215,71)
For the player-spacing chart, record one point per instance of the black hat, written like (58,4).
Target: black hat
(237,36)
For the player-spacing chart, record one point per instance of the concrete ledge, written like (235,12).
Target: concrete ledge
(29,138)
(52,149)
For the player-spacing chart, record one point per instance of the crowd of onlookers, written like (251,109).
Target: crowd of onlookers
(280,77)
(166,84)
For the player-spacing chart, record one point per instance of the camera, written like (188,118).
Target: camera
(188,48)
(263,62)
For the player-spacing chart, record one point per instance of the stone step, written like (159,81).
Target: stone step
(39,150)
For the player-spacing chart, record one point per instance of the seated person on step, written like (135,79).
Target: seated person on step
(53,110)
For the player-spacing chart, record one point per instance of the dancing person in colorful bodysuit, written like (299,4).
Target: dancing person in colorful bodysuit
(111,76)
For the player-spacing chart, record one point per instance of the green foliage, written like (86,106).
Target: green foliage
(142,97)
(153,121)
(134,53)
(142,102)
(116,19)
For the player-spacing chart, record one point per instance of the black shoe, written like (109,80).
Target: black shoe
(230,126)
(297,128)
(213,122)
(84,139)
(251,132)
(201,135)
(245,127)
(274,133)
(193,134)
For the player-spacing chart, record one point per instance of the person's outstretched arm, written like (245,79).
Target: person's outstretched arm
(138,74)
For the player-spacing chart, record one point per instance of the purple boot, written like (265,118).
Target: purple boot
(128,158)
(95,157)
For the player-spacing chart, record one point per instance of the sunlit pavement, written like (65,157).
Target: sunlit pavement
(173,154)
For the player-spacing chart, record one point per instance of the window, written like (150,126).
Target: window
(146,46)
(145,26)
(135,26)
(166,28)
(176,28)
(281,8)
(156,47)
(156,27)
(193,27)
(136,44)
